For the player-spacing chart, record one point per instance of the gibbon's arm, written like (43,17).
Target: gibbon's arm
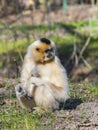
(37,82)
(40,86)
(59,78)
(54,73)
(27,68)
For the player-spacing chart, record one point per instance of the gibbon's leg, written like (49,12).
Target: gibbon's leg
(25,100)
(43,95)
(60,93)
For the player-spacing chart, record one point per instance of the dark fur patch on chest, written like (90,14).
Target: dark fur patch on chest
(44,40)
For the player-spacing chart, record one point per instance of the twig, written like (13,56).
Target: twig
(74,51)
(84,125)
(17,69)
(88,125)
(84,47)
(86,63)
(20,55)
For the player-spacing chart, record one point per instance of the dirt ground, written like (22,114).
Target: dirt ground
(84,117)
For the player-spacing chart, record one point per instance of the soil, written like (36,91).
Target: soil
(84,117)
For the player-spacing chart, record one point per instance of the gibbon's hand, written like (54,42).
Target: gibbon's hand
(37,81)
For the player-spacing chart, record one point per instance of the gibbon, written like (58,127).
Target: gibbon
(43,79)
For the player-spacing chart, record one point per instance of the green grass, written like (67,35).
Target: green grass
(1,64)
(85,23)
(19,45)
(94,90)
(14,118)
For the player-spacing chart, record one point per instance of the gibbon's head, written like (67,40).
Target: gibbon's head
(43,50)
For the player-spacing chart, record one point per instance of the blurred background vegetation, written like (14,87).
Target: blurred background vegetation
(71,24)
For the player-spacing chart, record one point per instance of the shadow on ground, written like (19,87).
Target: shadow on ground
(70,104)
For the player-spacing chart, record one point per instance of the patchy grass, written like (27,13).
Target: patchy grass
(94,90)
(53,26)
(71,34)
(84,91)
(25,27)
(12,117)
(64,45)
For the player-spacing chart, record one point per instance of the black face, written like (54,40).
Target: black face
(49,53)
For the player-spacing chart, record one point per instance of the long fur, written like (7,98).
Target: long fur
(46,83)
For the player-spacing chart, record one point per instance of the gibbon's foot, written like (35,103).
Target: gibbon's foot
(21,92)
(19,89)
(28,96)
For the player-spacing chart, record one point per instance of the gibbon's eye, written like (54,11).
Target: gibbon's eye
(37,49)
(47,50)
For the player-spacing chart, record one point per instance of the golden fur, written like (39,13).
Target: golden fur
(43,77)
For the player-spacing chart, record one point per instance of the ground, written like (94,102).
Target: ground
(84,117)
(80,112)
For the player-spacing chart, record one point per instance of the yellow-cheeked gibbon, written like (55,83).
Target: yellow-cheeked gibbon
(44,80)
